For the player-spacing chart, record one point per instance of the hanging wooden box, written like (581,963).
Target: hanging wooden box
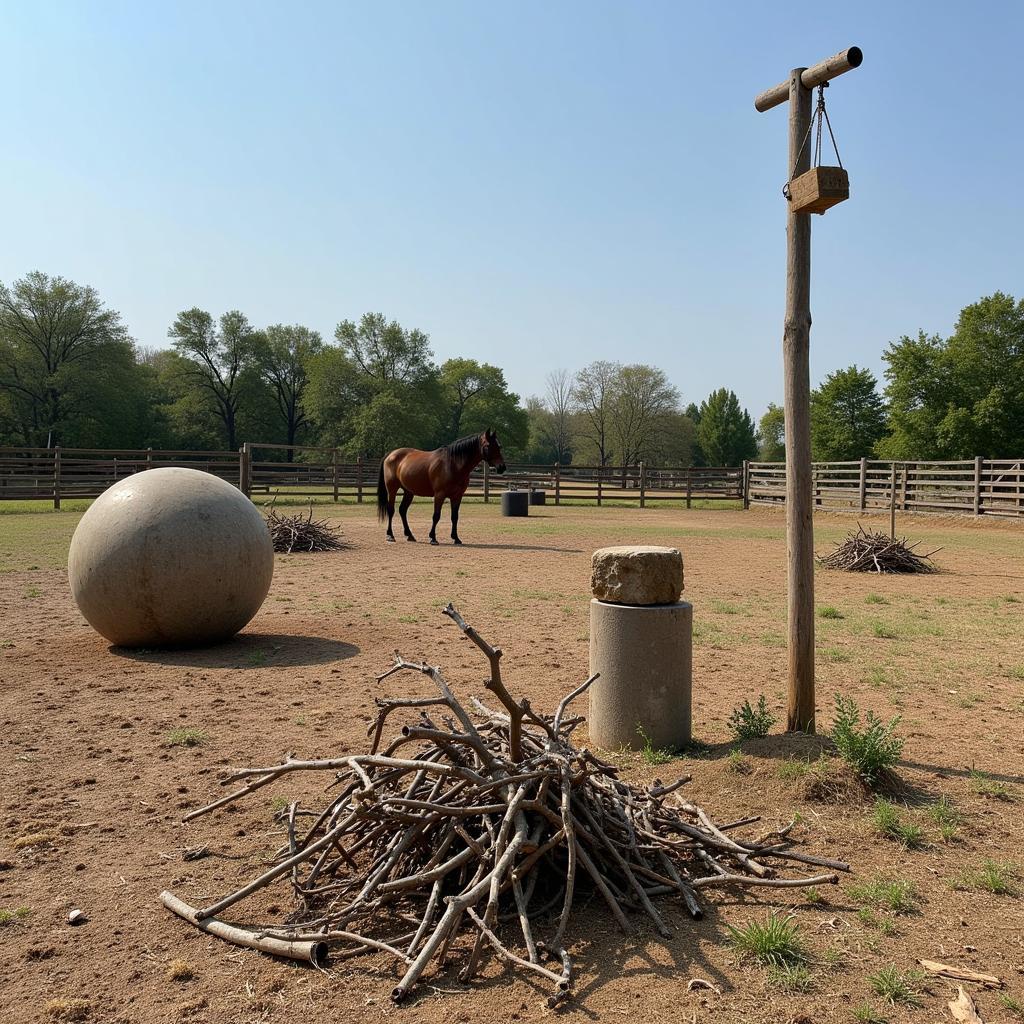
(816,190)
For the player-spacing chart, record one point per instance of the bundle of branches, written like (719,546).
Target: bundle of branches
(877,552)
(469,820)
(302,532)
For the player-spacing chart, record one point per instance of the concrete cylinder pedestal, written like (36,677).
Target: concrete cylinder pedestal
(515,503)
(645,657)
(641,643)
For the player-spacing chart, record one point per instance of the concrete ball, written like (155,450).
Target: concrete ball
(170,558)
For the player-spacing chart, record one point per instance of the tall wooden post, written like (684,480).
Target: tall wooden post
(796,356)
(558,483)
(56,476)
(643,485)
(862,489)
(487,481)
(977,485)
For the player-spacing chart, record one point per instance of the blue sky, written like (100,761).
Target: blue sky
(533,184)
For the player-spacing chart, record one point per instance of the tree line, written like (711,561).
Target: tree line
(71,374)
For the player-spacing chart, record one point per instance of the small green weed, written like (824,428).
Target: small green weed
(738,763)
(983,785)
(1015,1006)
(884,632)
(750,723)
(836,655)
(186,737)
(14,916)
(946,816)
(869,751)
(829,611)
(813,895)
(650,753)
(867,1014)
(895,894)
(790,977)
(993,876)
(875,599)
(775,942)
(895,987)
(792,769)
(257,658)
(887,821)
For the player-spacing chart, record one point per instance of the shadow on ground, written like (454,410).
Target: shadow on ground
(248,650)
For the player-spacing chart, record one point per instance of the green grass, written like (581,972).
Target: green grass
(830,612)
(776,942)
(257,658)
(897,895)
(867,1014)
(738,763)
(875,599)
(946,816)
(792,769)
(992,876)
(790,977)
(983,785)
(186,737)
(15,916)
(896,987)
(1015,1006)
(652,754)
(887,821)
(884,631)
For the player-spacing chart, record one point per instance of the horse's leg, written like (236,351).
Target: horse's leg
(392,494)
(402,509)
(456,502)
(438,505)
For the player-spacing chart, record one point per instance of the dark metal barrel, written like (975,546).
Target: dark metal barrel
(515,503)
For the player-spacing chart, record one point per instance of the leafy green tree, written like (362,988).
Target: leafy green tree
(771,434)
(67,365)
(386,353)
(477,398)
(726,431)
(215,357)
(594,390)
(643,398)
(848,416)
(282,354)
(963,396)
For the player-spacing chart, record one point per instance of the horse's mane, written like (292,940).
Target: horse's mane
(463,447)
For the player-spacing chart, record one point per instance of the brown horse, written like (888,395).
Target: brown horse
(442,473)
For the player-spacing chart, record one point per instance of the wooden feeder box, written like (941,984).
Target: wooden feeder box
(816,190)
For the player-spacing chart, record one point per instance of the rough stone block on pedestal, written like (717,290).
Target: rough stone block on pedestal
(640,574)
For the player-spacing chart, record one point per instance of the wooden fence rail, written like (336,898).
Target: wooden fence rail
(260,471)
(977,486)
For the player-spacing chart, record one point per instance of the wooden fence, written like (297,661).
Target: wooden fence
(321,474)
(972,487)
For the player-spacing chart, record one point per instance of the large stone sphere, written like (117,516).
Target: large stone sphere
(170,558)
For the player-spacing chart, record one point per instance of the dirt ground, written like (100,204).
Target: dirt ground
(93,789)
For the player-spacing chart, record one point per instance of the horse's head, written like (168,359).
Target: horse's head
(491,450)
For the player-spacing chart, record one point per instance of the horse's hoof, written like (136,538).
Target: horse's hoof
(455,540)
(433,541)
(410,538)
(390,540)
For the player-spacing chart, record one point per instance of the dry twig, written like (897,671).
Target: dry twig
(302,532)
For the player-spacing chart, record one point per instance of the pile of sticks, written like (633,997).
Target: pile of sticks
(877,552)
(302,532)
(472,832)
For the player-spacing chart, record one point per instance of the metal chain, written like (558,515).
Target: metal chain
(820,116)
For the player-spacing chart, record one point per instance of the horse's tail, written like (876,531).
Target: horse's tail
(382,495)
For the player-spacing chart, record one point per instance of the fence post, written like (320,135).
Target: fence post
(745,484)
(643,485)
(903,484)
(600,474)
(977,485)
(334,475)
(892,502)
(149,458)
(245,469)
(487,482)
(689,486)
(56,477)
(863,491)
(558,482)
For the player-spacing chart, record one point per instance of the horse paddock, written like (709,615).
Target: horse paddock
(104,750)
